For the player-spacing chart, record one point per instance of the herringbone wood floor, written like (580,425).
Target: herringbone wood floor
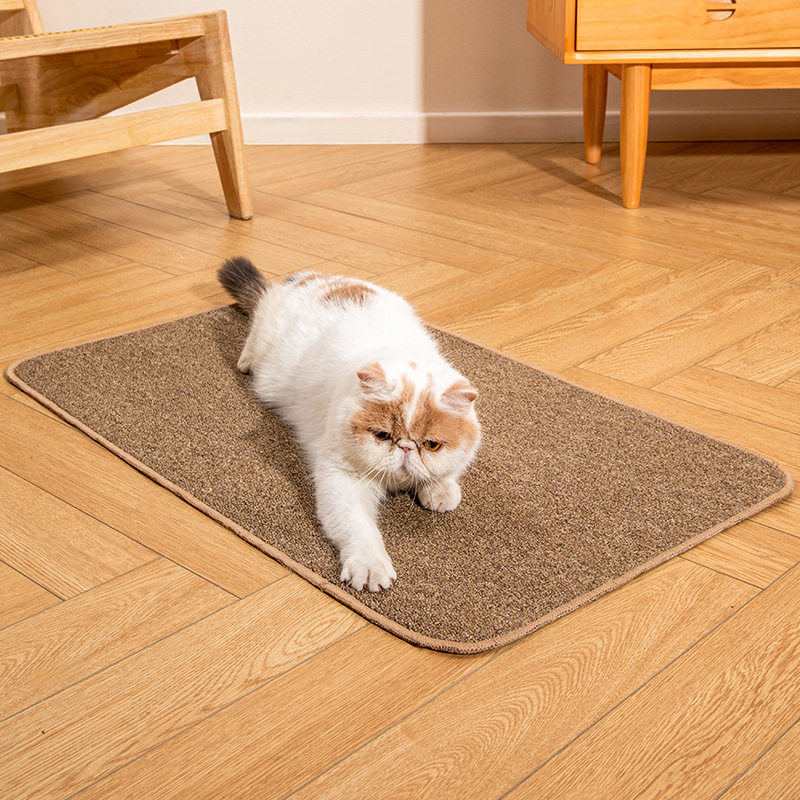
(145,652)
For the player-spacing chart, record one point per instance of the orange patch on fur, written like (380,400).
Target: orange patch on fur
(385,415)
(302,278)
(343,291)
(430,422)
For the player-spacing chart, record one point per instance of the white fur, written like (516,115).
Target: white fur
(304,353)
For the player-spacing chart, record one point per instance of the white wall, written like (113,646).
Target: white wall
(331,71)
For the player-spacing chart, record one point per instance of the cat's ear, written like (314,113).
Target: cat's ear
(373,381)
(460,396)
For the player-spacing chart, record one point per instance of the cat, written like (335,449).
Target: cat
(375,408)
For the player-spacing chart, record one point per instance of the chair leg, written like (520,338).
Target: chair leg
(216,80)
(635,112)
(595,90)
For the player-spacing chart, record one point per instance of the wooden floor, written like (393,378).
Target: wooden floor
(146,652)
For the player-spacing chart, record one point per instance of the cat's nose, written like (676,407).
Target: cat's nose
(406,447)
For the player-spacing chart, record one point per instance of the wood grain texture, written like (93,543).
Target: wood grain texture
(633,314)
(792,384)
(444,304)
(318,244)
(18,274)
(519,317)
(65,550)
(750,552)
(274,690)
(678,344)
(564,242)
(774,775)
(448,749)
(91,319)
(20,597)
(179,680)
(729,722)
(65,294)
(64,644)
(756,401)
(285,717)
(768,356)
(430,242)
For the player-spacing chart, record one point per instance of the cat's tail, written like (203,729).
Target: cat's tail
(242,280)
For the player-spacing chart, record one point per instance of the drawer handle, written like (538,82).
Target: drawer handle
(720,10)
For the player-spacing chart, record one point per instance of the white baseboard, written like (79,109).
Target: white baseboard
(383,128)
(564,126)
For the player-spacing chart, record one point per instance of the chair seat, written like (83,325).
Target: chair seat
(41,44)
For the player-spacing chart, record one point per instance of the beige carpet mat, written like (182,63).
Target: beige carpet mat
(572,493)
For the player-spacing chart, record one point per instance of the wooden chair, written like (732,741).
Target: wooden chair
(57,88)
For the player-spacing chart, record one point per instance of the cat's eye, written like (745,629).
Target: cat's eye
(432,446)
(382,435)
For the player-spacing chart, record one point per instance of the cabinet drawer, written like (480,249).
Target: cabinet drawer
(686,24)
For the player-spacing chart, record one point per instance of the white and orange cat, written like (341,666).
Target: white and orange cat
(375,407)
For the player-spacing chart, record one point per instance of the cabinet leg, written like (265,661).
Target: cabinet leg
(633,130)
(595,90)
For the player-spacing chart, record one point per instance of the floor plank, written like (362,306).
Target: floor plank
(285,716)
(53,180)
(65,644)
(522,241)
(522,316)
(38,300)
(692,337)
(421,244)
(755,401)
(87,320)
(730,722)
(52,750)
(18,274)
(750,552)
(305,243)
(774,775)
(562,239)
(449,749)
(57,545)
(444,304)
(37,245)
(768,356)
(20,597)
(617,321)
(175,246)
(667,218)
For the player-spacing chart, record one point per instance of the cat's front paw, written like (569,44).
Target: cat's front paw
(373,572)
(443,496)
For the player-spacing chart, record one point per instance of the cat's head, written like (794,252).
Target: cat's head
(411,426)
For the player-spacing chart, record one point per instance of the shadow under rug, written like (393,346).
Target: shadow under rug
(572,494)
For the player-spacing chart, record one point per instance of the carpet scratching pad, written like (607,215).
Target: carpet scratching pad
(572,494)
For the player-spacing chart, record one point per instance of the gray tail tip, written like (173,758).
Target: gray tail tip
(238,267)
(241,279)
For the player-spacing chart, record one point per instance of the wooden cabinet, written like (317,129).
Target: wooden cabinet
(665,44)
